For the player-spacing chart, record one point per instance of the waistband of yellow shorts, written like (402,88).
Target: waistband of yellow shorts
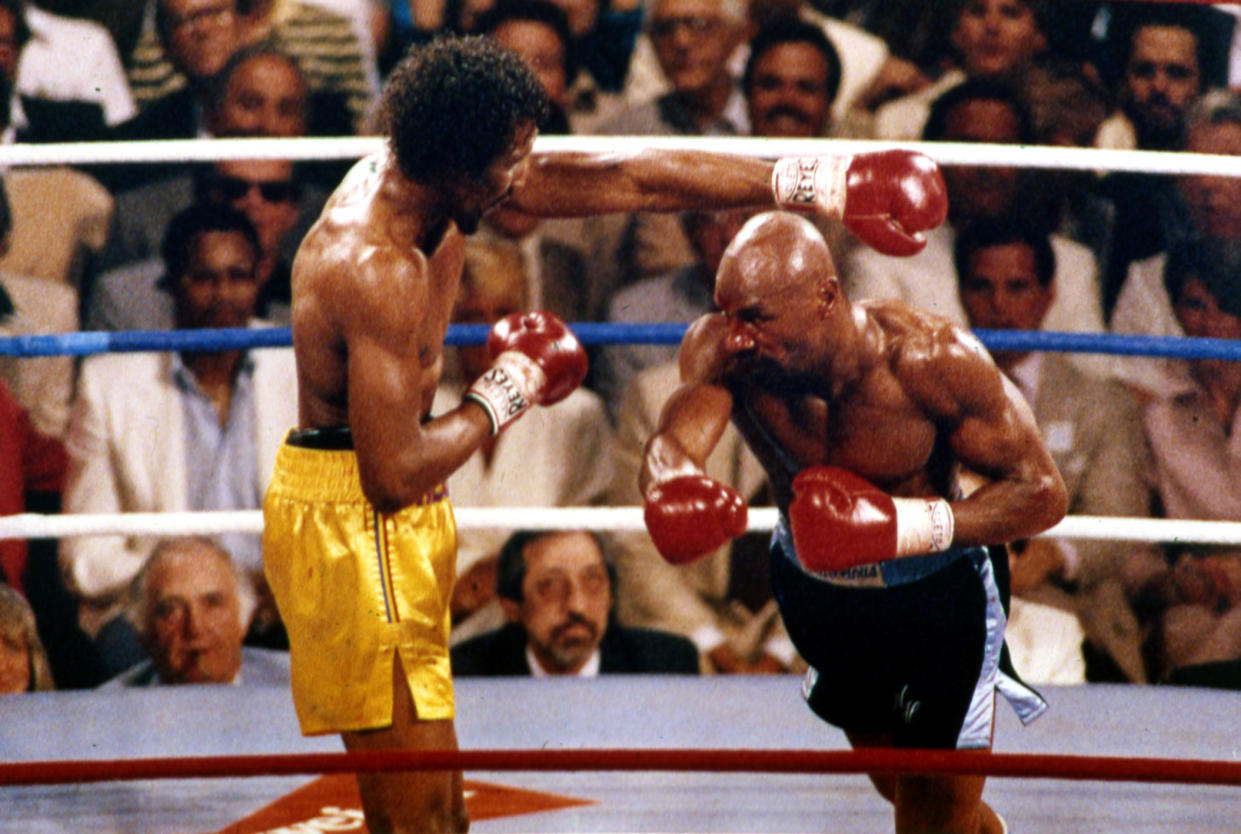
(328,475)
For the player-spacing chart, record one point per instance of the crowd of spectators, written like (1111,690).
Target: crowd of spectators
(161,246)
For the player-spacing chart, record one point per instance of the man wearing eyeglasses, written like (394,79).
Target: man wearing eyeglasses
(692,40)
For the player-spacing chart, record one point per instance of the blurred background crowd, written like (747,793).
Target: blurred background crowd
(142,247)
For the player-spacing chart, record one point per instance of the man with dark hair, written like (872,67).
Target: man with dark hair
(1006,281)
(1162,74)
(890,581)
(174,431)
(1192,424)
(359,538)
(979,110)
(558,591)
(538,31)
(791,79)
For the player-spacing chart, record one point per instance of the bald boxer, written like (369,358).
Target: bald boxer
(358,539)
(865,417)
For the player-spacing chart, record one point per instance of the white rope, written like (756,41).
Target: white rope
(948,153)
(615,519)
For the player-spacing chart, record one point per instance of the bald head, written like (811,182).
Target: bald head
(780,298)
(773,253)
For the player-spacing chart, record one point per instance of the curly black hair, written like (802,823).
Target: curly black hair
(452,107)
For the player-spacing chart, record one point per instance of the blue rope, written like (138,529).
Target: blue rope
(590,333)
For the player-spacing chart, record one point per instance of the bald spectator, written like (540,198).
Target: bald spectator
(191,607)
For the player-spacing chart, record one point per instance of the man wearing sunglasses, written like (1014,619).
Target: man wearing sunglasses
(268,193)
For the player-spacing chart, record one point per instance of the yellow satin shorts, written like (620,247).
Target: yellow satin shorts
(355,587)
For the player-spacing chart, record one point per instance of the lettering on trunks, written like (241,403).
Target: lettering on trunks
(857,576)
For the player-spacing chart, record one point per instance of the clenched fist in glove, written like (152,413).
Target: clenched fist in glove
(840,520)
(691,515)
(887,198)
(536,360)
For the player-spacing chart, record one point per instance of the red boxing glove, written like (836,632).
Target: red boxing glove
(840,520)
(886,198)
(538,361)
(691,515)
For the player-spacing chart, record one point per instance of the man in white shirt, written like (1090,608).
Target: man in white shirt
(979,110)
(1065,592)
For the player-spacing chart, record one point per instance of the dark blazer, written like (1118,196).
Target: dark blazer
(623,650)
(48,120)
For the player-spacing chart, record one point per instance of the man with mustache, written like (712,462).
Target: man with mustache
(791,80)
(557,589)
(1162,76)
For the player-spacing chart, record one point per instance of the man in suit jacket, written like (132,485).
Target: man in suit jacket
(1093,432)
(164,432)
(556,589)
(721,602)
(980,110)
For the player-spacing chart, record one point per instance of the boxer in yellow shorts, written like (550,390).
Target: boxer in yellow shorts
(354,588)
(375,281)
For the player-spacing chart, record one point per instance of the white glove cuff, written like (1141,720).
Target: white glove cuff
(812,183)
(922,526)
(505,391)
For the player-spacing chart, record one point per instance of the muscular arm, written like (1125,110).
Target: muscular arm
(695,416)
(401,457)
(579,184)
(992,432)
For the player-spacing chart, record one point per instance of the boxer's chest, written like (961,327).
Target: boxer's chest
(886,442)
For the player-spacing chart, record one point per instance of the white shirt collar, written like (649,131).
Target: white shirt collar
(590,670)
(1027,373)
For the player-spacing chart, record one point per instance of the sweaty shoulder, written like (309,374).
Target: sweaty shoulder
(940,365)
(349,255)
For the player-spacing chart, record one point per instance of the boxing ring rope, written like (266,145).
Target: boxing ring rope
(612,518)
(337,148)
(619,519)
(609,519)
(589,333)
(1070,767)
(864,760)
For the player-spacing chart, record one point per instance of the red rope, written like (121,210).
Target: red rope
(876,760)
